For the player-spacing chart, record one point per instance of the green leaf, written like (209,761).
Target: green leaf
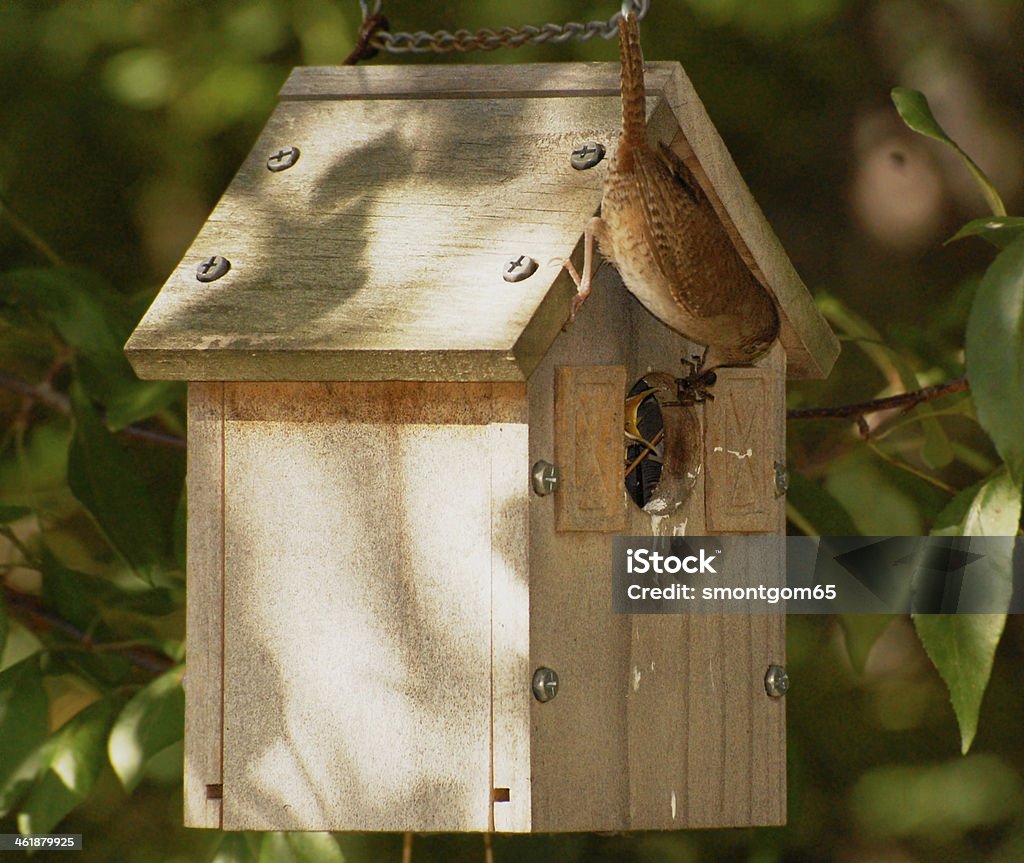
(76,754)
(817,509)
(138,400)
(995,355)
(860,632)
(153,720)
(157,602)
(23,718)
(105,479)
(1000,231)
(991,507)
(300,848)
(74,596)
(913,108)
(962,647)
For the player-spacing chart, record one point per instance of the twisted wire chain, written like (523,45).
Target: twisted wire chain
(443,42)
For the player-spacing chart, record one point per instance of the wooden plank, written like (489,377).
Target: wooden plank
(736,754)
(734,734)
(657,694)
(588,447)
(204,606)
(706,745)
(510,627)
(523,81)
(376,257)
(358,628)
(578,760)
(810,343)
(742,448)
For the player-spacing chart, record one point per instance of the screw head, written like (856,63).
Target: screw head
(212,268)
(545,684)
(283,159)
(517,269)
(544,478)
(776,681)
(587,155)
(781,479)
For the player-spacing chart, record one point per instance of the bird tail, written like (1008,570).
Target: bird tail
(634,105)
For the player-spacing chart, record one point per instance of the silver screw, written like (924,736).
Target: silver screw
(776,681)
(212,268)
(781,479)
(544,478)
(517,269)
(587,155)
(283,159)
(545,684)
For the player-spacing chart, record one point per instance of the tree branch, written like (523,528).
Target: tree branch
(59,403)
(858,411)
(31,611)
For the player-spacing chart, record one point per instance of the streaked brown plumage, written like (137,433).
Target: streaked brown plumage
(663,236)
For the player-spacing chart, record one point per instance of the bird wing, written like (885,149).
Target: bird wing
(682,230)
(684,175)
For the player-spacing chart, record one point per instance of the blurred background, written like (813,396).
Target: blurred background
(122,122)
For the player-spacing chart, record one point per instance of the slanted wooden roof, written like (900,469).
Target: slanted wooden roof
(379,254)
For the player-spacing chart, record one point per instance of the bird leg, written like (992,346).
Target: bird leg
(584,282)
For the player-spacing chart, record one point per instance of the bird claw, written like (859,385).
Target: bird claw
(696,386)
(577,304)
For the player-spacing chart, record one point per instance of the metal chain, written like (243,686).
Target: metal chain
(443,42)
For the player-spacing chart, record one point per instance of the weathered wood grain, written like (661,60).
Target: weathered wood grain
(204,606)
(578,757)
(379,254)
(743,430)
(510,627)
(462,81)
(662,721)
(358,622)
(706,746)
(589,403)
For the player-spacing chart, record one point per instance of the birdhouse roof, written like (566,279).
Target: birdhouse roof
(381,253)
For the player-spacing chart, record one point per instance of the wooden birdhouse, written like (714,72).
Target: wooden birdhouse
(384,574)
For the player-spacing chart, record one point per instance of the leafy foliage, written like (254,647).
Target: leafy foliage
(917,114)
(962,647)
(148,724)
(23,726)
(995,355)
(70,762)
(125,510)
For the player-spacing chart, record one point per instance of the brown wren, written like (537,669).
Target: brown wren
(662,234)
